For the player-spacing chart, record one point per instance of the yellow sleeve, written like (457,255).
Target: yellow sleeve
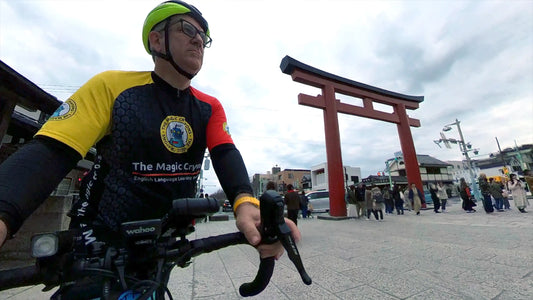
(85,118)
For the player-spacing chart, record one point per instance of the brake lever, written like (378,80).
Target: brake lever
(275,228)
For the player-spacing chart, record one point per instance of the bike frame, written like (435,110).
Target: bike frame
(139,264)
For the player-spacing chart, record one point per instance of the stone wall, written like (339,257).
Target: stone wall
(50,216)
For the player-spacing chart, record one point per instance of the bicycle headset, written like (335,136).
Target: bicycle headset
(162,13)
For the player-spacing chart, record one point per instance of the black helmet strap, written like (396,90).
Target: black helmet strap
(168,55)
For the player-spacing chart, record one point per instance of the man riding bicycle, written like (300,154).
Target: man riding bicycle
(150,130)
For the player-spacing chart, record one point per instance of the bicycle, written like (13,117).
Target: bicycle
(138,265)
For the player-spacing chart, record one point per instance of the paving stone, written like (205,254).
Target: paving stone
(454,255)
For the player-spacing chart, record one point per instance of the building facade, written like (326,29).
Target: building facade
(319,176)
(432,171)
(298,178)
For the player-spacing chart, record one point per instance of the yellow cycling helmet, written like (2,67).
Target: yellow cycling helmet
(167,9)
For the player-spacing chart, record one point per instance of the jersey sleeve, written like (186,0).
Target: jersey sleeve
(217,128)
(82,120)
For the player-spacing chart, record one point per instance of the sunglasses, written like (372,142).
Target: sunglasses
(191,31)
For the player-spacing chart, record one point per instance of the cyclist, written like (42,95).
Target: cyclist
(150,130)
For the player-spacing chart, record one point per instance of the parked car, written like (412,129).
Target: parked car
(319,200)
(226,206)
(427,195)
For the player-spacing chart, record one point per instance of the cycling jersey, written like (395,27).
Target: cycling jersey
(150,140)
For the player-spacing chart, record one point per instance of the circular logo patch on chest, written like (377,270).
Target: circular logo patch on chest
(176,134)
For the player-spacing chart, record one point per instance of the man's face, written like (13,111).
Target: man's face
(187,52)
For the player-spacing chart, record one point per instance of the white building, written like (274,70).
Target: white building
(319,176)
(459,169)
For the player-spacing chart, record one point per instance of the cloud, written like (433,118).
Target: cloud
(471,60)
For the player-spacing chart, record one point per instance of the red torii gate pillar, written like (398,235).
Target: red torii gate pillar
(330,85)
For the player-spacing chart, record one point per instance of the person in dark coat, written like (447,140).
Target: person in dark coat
(389,201)
(292,200)
(485,193)
(398,201)
(436,201)
(360,197)
(464,192)
(495,189)
(304,201)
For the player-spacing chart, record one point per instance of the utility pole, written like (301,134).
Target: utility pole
(468,161)
(501,153)
(504,169)
(465,148)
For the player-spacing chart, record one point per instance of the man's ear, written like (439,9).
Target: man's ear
(157,41)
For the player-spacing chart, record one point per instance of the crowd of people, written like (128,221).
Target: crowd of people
(367,201)
(495,194)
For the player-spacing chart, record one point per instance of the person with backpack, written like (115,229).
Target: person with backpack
(360,206)
(378,203)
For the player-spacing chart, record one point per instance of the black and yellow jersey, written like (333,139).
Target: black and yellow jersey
(150,140)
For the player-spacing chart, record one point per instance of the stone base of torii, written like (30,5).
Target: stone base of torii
(331,84)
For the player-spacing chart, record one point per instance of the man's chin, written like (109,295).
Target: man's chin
(192,68)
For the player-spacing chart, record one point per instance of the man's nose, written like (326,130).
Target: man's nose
(197,40)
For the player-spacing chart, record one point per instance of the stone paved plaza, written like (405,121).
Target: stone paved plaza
(451,255)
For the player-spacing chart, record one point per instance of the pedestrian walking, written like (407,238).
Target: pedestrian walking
(360,206)
(496,192)
(368,202)
(464,192)
(485,193)
(292,200)
(389,201)
(436,202)
(304,201)
(505,195)
(406,202)
(352,211)
(378,203)
(443,195)
(415,196)
(518,192)
(398,201)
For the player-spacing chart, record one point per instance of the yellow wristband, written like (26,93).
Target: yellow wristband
(242,200)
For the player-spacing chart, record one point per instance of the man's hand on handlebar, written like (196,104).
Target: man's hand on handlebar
(248,219)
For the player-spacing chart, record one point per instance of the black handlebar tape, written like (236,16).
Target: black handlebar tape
(194,206)
(213,243)
(18,277)
(266,268)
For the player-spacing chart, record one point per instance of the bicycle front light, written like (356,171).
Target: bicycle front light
(43,245)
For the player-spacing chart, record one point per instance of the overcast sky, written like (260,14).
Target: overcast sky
(471,60)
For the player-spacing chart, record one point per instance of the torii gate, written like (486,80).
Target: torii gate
(331,84)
